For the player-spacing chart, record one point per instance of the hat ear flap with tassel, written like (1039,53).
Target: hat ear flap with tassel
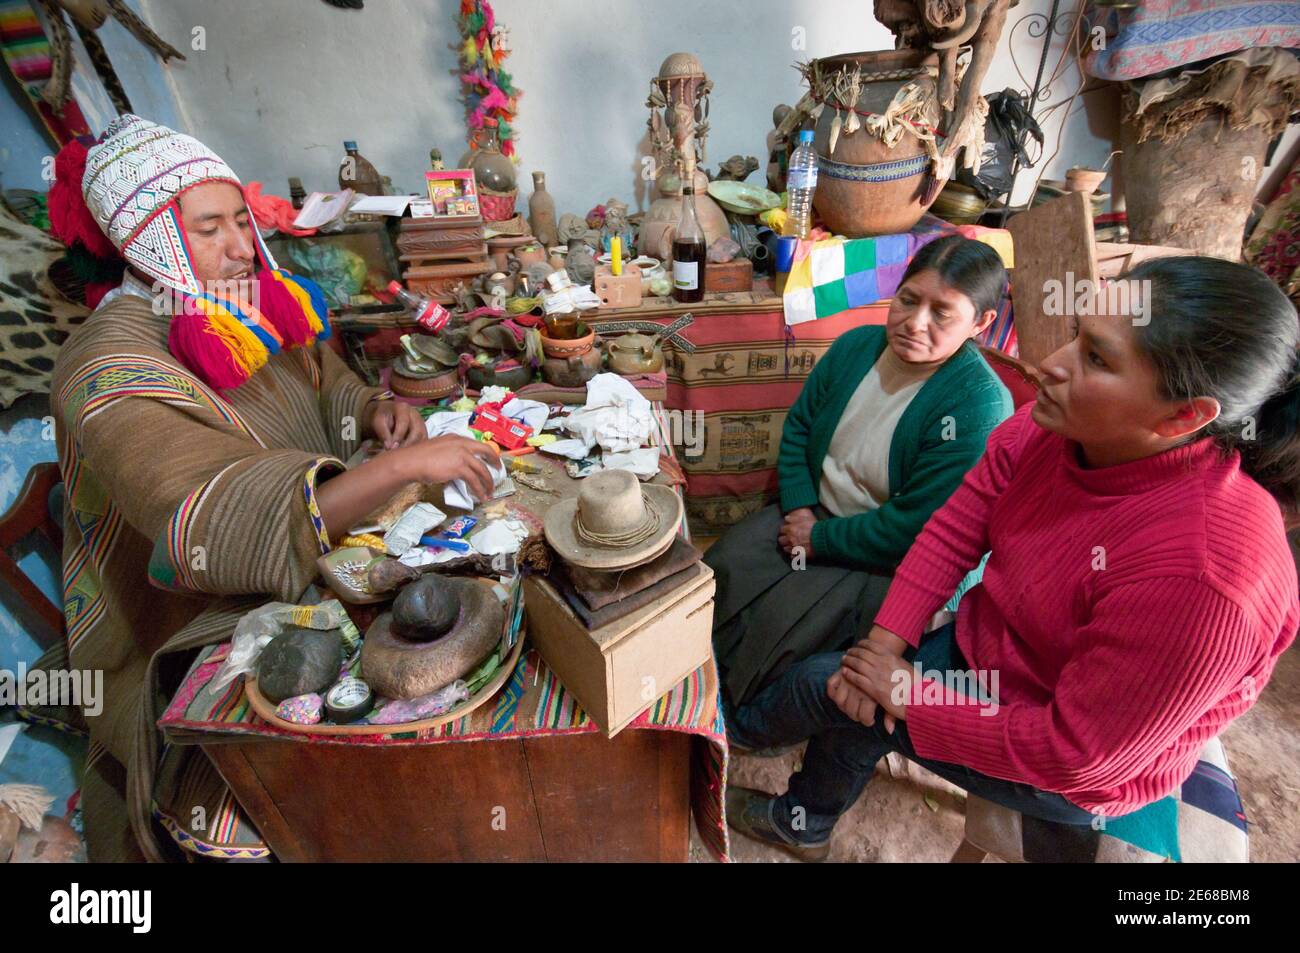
(294,305)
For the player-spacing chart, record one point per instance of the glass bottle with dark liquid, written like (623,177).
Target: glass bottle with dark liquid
(689,252)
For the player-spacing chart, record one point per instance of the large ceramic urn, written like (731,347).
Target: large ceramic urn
(872,180)
(659,226)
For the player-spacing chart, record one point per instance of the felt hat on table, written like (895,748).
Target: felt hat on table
(616,522)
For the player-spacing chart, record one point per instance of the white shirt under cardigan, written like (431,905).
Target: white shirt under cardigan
(855,472)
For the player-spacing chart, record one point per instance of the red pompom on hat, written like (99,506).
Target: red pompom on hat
(70,218)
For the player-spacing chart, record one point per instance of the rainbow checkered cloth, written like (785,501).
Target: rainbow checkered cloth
(836,274)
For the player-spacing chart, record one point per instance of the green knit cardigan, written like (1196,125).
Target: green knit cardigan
(938,438)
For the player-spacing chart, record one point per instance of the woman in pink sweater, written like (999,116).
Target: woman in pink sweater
(1139,587)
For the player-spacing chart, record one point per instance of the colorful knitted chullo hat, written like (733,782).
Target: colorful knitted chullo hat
(131,184)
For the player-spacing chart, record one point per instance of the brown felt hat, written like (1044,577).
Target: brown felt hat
(615,522)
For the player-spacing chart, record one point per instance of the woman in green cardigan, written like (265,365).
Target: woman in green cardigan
(885,428)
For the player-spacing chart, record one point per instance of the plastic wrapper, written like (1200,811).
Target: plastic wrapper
(400,711)
(340,273)
(257,628)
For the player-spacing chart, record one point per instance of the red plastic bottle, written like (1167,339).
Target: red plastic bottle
(430,315)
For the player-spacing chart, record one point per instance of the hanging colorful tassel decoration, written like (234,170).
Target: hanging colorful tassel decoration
(490,97)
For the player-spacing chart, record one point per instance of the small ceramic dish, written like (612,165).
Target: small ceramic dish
(743,198)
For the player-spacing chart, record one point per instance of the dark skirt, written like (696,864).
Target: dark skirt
(767,615)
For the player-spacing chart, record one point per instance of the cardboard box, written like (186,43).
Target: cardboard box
(621,669)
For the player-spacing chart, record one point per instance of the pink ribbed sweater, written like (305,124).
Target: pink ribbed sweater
(1131,612)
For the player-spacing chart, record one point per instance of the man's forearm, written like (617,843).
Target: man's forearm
(346,498)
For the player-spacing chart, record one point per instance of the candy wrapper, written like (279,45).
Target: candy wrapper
(301,709)
(459,527)
(400,711)
(412,524)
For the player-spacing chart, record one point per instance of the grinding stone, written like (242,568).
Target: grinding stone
(398,668)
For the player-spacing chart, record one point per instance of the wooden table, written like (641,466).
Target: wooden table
(576,797)
(568,798)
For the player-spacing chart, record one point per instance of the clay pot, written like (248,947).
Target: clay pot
(635,354)
(1084,180)
(424,388)
(528,255)
(655,237)
(569,347)
(846,201)
(573,371)
(492,169)
(502,250)
(485,375)
(541,211)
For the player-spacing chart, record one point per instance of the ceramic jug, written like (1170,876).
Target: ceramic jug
(636,354)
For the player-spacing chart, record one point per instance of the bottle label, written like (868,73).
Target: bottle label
(686,275)
(805,178)
(433,317)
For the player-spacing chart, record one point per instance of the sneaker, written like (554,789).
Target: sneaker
(750,813)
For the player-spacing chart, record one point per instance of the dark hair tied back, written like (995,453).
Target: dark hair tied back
(1220,329)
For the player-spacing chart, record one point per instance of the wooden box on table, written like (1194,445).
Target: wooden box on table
(619,670)
(734,275)
(439,254)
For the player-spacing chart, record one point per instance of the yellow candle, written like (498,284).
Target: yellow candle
(616,256)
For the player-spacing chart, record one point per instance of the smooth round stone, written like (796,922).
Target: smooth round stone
(426,609)
(298,662)
(301,709)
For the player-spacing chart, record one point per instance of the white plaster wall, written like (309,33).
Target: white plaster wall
(283,82)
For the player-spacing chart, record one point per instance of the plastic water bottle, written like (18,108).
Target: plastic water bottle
(800,186)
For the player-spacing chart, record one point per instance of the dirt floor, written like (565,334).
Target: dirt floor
(908,814)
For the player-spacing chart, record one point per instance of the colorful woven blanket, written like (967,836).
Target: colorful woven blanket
(1160,35)
(27,52)
(836,274)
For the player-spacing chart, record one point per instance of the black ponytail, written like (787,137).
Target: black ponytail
(1274,458)
(1219,329)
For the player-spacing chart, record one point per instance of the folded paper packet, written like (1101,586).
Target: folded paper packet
(414,523)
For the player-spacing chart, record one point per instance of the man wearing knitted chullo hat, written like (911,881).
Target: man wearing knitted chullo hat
(201,428)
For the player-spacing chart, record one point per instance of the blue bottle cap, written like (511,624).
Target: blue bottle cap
(805,135)
(349,145)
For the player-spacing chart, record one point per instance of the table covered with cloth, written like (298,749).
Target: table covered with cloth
(532,703)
